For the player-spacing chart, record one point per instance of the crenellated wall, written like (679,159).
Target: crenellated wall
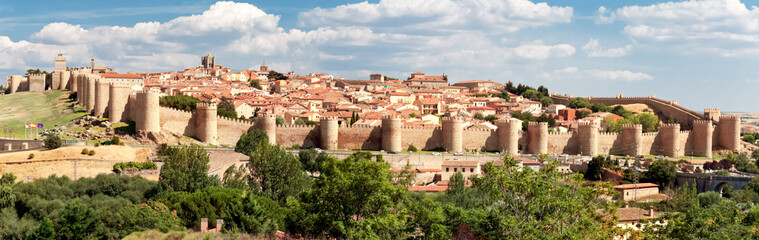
(481,140)
(423,138)
(664,108)
(361,137)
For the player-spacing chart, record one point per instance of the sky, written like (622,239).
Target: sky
(702,53)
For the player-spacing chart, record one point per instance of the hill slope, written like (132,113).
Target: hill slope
(50,108)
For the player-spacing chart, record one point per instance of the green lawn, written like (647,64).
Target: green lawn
(50,108)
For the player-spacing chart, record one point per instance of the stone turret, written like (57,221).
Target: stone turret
(391,134)
(537,137)
(712,114)
(147,109)
(670,139)
(36,82)
(453,134)
(74,83)
(117,103)
(206,123)
(729,130)
(329,132)
(632,139)
(102,93)
(588,133)
(702,138)
(508,135)
(90,104)
(268,124)
(15,83)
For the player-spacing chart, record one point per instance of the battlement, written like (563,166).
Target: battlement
(296,126)
(207,106)
(176,109)
(728,118)
(669,126)
(701,122)
(454,119)
(608,133)
(37,75)
(587,123)
(235,120)
(650,134)
(266,115)
(706,110)
(118,85)
(392,117)
(328,118)
(632,126)
(561,133)
(479,130)
(363,126)
(537,124)
(422,127)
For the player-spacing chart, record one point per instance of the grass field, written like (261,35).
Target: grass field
(51,108)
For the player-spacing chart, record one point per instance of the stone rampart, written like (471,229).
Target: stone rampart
(36,82)
(359,137)
(423,138)
(229,130)
(665,109)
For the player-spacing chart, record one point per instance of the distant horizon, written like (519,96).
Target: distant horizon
(676,50)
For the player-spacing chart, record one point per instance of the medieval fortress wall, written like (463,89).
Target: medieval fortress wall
(694,134)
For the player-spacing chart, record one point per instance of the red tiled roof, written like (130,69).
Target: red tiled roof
(119,75)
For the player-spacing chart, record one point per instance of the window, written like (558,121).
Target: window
(446,169)
(455,169)
(471,169)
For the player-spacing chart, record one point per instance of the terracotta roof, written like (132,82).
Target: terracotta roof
(632,186)
(119,75)
(427,188)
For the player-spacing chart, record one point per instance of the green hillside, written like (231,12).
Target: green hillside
(50,108)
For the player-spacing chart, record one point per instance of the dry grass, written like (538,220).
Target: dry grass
(51,162)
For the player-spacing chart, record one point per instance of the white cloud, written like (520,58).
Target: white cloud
(441,15)
(723,27)
(573,73)
(618,75)
(602,17)
(434,36)
(594,50)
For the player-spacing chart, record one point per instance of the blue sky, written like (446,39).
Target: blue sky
(702,53)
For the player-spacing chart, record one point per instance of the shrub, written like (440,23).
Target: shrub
(411,148)
(53,141)
(91,153)
(85,151)
(31,155)
(121,143)
(295,146)
(115,140)
(97,144)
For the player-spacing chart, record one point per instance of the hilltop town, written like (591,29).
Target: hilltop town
(426,128)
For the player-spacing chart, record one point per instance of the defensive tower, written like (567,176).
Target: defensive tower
(588,134)
(391,134)
(36,82)
(147,112)
(118,100)
(670,139)
(205,122)
(508,135)
(329,132)
(453,133)
(702,138)
(729,133)
(268,124)
(102,88)
(90,93)
(538,137)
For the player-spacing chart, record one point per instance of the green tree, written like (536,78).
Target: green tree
(274,75)
(185,169)
(280,120)
(662,172)
(226,108)
(579,103)
(53,141)
(546,101)
(595,168)
(363,202)
(237,178)
(707,199)
(7,179)
(250,141)
(255,83)
(749,138)
(479,116)
(78,221)
(546,204)
(583,113)
(755,155)
(649,122)
(311,160)
(411,148)
(599,107)
(277,173)
(181,102)
(461,195)
(147,216)
(7,198)
(45,231)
